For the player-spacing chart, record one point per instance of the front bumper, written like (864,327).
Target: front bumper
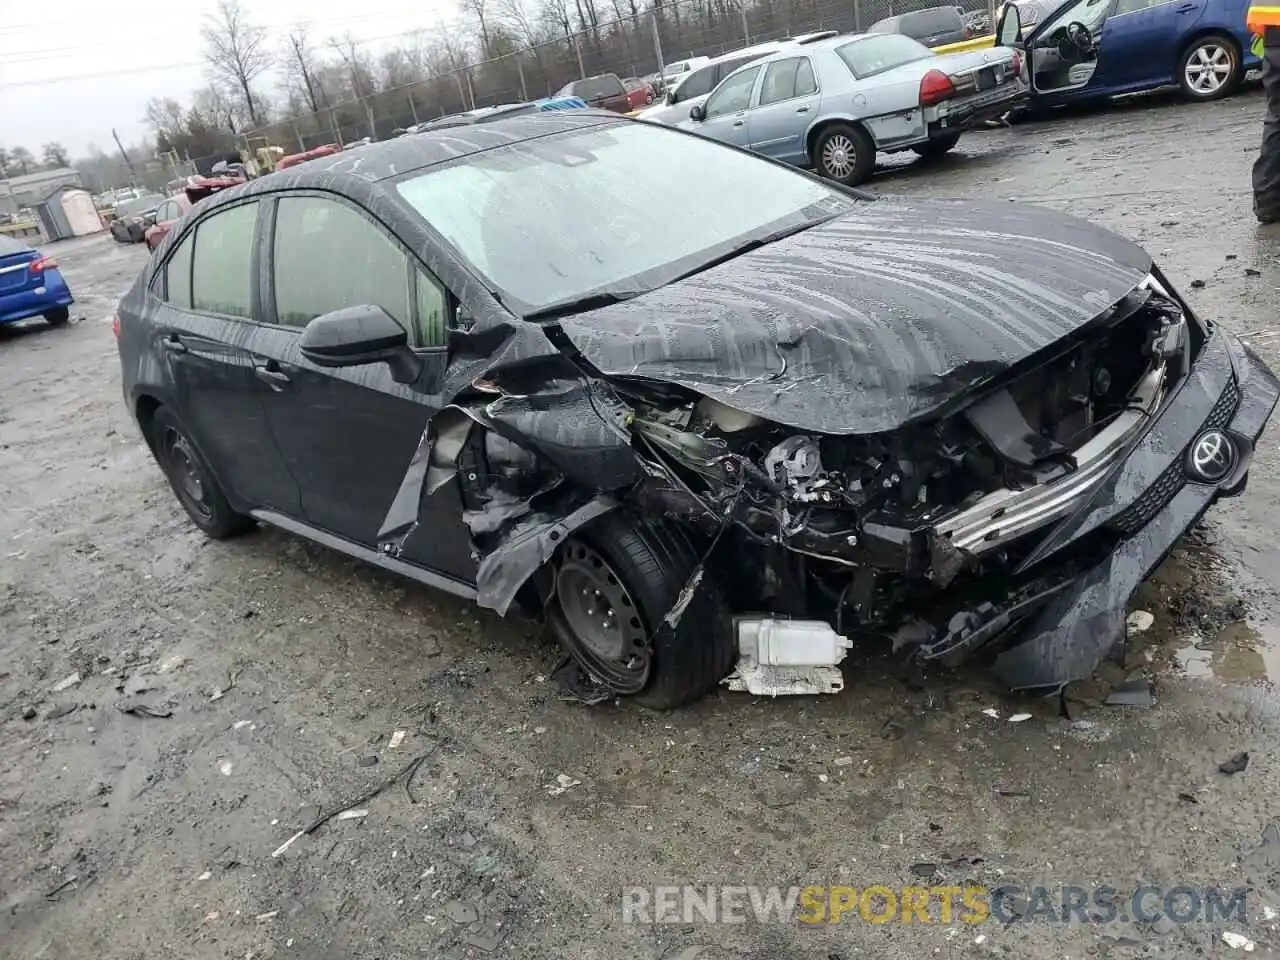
(1143,508)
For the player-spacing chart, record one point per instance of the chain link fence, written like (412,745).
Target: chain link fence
(632,45)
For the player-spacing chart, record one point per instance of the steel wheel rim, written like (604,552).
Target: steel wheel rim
(187,474)
(1208,68)
(601,620)
(838,155)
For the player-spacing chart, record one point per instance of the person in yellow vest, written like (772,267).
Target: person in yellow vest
(1264,21)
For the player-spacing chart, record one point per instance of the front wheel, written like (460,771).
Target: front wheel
(936,146)
(845,154)
(615,582)
(1210,68)
(192,481)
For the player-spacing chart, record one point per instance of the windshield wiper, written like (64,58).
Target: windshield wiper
(746,246)
(592,301)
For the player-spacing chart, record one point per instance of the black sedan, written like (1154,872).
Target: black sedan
(708,440)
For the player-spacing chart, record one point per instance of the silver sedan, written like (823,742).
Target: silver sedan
(836,103)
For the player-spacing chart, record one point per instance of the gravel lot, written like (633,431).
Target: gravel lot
(298,680)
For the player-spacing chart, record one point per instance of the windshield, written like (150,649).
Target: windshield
(555,219)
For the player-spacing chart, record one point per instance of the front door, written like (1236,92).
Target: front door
(725,112)
(1142,39)
(1065,48)
(349,435)
(209,305)
(785,107)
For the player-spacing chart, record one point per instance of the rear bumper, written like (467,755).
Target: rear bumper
(1065,621)
(33,303)
(958,115)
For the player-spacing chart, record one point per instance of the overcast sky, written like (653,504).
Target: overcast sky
(93,65)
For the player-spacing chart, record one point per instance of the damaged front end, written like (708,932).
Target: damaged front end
(1012,522)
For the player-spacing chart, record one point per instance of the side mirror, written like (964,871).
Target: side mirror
(357,336)
(670,98)
(1010,29)
(698,113)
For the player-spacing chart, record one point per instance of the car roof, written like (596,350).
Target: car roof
(356,172)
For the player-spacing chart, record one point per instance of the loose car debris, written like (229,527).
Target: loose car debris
(1236,763)
(1135,692)
(52,894)
(66,683)
(1237,941)
(139,709)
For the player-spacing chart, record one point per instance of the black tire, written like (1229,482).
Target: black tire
(1207,57)
(651,561)
(839,141)
(58,316)
(936,146)
(192,481)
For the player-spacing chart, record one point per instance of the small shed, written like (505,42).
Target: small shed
(68,212)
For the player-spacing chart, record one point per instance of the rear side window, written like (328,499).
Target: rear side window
(787,79)
(877,54)
(924,22)
(221,267)
(604,86)
(177,276)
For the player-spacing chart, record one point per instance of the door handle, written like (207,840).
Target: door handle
(173,344)
(802,109)
(1188,7)
(271,373)
(738,123)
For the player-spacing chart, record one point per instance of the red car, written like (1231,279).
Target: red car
(293,159)
(173,209)
(639,93)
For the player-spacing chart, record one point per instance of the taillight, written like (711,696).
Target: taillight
(115,326)
(42,264)
(1015,63)
(935,86)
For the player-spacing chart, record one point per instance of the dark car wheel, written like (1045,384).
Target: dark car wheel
(1210,68)
(845,154)
(936,146)
(191,479)
(57,316)
(615,582)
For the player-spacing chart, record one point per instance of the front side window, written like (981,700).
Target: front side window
(178,276)
(733,95)
(222,262)
(527,216)
(873,55)
(329,256)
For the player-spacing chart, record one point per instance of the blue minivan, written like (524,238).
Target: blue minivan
(1094,49)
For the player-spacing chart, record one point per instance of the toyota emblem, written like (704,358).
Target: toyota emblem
(1211,457)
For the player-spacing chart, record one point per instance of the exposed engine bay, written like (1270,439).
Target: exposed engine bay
(886,535)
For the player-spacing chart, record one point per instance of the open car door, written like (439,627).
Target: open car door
(1063,49)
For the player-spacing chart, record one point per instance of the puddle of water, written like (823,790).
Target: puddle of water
(1241,653)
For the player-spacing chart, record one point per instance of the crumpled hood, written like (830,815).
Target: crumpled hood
(866,322)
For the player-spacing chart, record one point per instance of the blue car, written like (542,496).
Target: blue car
(31,285)
(1094,49)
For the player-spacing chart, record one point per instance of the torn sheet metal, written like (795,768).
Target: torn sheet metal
(527,546)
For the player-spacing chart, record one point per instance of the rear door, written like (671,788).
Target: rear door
(348,435)
(726,109)
(206,289)
(786,104)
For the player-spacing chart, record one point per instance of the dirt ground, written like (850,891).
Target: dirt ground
(297,680)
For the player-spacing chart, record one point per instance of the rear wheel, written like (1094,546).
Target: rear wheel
(936,146)
(615,581)
(57,316)
(845,154)
(191,479)
(1210,67)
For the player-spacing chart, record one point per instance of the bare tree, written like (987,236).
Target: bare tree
(236,52)
(55,155)
(5,160)
(22,159)
(300,66)
(479,10)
